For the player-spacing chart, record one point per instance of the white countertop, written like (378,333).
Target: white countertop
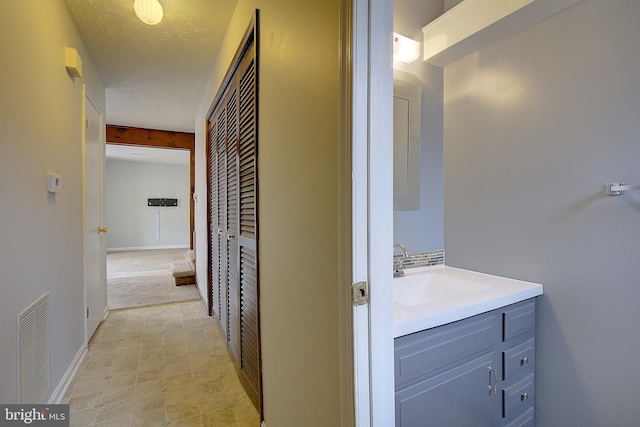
(494,292)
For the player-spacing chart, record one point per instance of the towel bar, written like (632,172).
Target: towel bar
(617,188)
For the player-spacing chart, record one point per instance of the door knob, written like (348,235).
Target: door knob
(102,230)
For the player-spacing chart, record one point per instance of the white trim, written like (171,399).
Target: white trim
(63,385)
(88,96)
(83,142)
(92,99)
(144,248)
(263,424)
(381,211)
(203,298)
(360,220)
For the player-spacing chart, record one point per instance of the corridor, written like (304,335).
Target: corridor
(163,365)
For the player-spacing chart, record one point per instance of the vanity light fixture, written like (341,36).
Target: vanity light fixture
(405,49)
(149,11)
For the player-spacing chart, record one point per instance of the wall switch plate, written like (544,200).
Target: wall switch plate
(54,182)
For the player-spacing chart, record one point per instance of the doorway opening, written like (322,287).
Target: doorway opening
(149,186)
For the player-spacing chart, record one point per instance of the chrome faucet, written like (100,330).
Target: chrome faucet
(398,266)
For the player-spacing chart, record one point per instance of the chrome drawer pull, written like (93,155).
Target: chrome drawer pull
(524,396)
(494,388)
(524,361)
(495,380)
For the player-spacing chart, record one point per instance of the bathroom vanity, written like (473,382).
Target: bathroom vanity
(466,362)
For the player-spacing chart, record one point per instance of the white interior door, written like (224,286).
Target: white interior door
(94,258)
(373,210)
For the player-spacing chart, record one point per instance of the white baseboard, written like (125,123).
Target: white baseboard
(144,248)
(63,386)
(263,424)
(203,299)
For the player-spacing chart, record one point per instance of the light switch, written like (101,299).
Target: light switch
(54,182)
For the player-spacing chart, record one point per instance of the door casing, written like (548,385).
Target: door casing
(94,245)
(373,210)
(124,135)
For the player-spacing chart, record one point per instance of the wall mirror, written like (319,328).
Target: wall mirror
(406,146)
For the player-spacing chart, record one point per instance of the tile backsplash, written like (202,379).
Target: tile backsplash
(422,259)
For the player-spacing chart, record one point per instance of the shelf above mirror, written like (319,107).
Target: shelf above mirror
(474,24)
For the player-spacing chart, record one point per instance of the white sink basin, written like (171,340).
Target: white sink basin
(427,297)
(419,289)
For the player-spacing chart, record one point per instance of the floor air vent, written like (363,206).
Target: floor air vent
(33,352)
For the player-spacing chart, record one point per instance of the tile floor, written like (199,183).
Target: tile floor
(159,366)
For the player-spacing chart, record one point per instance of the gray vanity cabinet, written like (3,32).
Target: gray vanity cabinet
(477,371)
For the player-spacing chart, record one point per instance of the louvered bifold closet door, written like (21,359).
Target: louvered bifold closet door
(233,213)
(214,249)
(249,297)
(232,221)
(222,215)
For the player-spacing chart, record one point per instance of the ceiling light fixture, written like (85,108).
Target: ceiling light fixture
(149,11)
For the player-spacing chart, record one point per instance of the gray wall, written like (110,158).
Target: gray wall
(131,223)
(448,4)
(40,132)
(535,125)
(422,230)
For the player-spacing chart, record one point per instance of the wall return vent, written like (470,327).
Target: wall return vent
(34,380)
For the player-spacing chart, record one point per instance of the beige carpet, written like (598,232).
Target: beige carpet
(142,278)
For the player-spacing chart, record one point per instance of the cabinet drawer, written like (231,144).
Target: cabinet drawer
(518,320)
(524,420)
(519,358)
(518,396)
(427,351)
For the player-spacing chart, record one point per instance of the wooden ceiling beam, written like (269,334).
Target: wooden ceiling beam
(149,137)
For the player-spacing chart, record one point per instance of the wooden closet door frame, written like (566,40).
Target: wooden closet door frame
(249,39)
(248,44)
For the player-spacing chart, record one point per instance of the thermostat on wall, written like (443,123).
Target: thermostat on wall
(54,181)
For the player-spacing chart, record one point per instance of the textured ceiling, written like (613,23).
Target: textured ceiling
(155,75)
